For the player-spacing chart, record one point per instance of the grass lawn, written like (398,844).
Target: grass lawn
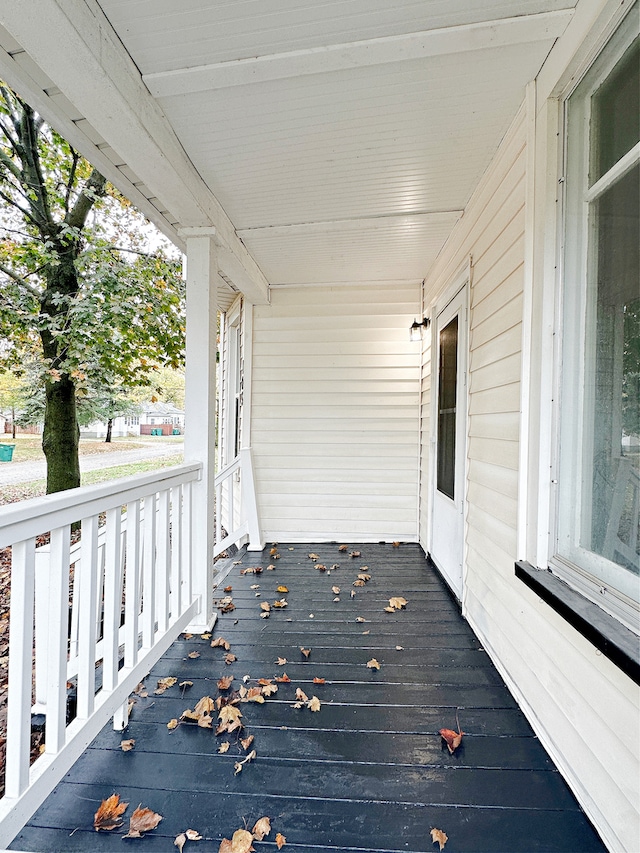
(28,448)
(36,488)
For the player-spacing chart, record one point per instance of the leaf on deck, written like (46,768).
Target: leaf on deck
(142,820)
(439,836)
(127,745)
(373,664)
(280,841)
(242,842)
(220,641)
(261,828)
(109,814)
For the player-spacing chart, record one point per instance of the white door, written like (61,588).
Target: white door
(449,419)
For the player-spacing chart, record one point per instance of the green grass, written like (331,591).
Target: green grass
(36,488)
(28,448)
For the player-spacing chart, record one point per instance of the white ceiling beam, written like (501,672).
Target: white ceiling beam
(338,57)
(76,47)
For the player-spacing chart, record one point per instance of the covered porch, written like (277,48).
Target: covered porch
(369,770)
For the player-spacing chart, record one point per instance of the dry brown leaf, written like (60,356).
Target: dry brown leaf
(163,684)
(281,661)
(360,619)
(453,739)
(226,605)
(314,557)
(283,679)
(264,605)
(187,635)
(246,742)
(180,840)
(127,745)
(313,704)
(335,590)
(353,593)
(318,680)
(398,602)
(172,724)
(305,652)
(193,835)
(301,696)
(271,568)
(239,764)
(224,746)
(373,664)
(439,836)
(396,544)
(225,682)
(337,598)
(185,684)
(142,820)
(230,658)
(190,715)
(282,588)
(281,603)
(359,582)
(261,828)
(280,841)
(355,554)
(109,814)
(269,689)
(265,614)
(205,721)
(255,695)
(343,547)
(255,586)
(399,648)
(229,717)
(193,655)
(363,576)
(220,641)
(389,610)
(365,633)
(242,842)
(264,681)
(205,705)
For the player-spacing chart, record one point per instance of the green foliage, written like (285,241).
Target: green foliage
(87,288)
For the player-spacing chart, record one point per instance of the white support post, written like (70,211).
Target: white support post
(200,409)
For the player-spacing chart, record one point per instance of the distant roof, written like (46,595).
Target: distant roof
(161,409)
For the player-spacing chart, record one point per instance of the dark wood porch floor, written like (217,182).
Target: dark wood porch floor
(368,771)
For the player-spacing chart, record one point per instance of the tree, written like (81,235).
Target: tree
(14,394)
(80,289)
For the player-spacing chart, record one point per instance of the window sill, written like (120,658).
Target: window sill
(608,635)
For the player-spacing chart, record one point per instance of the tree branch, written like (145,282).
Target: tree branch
(72,175)
(21,281)
(32,169)
(93,189)
(6,161)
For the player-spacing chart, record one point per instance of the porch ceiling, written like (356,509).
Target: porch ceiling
(341,139)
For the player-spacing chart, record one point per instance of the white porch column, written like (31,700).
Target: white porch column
(200,408)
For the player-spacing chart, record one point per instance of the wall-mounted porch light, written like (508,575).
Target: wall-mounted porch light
(418,329)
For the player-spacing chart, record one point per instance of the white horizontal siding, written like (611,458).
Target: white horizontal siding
(576,699)
(334,428)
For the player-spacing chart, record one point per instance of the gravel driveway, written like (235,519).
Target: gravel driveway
(23,472)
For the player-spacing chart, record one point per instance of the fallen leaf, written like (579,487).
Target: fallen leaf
(255,695)
(335,590)
(355,554)
(193,835)
(229,717)
(282,589)
(305,652)
(283,679)
(109,814)
(185,684)
(399,648)
(343,547)
(398,602)
(205,721)
(220,641)
(363,576)
(360,619)
(364,633)
(281,603)
(280,841)
(389,610)
(164,684)
(337,598)
(228,588)
(193,655)
(224,746)
(188,714)
(396,544)
(189,835)
(314,557)
(142,820)
(187,636)
(255,586)
(239,764)
(453,739)
(246,742)
(226,605)
(318,681)
(229,659)
(359,582)
(242,842)
(314,704)
(206,636)
(334,567)
(205,705)
(261,828)
(180,840)
(269,689)
(225,682)
(127,745)
(353,593)
(301,696)
(265,614)
(265,606)
(172,724)
(273,551)
(440,836)
(271,568)
(281,661)
(373,664)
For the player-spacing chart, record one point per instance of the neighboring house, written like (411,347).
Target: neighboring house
(152,416)
(480,177)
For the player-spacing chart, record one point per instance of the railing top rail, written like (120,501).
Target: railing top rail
(32,517)
(228,469)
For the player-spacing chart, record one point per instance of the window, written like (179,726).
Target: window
(598,541)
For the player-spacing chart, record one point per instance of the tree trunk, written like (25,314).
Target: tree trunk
(13,423)
(109,429)
(61,436)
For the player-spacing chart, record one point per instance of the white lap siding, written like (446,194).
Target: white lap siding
(576,699)
(334,426)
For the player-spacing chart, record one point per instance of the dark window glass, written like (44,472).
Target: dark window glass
(447,394)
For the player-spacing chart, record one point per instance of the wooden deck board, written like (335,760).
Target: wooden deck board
(369,771)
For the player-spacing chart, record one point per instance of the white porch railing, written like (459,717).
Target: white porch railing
(236,508)
(119,597)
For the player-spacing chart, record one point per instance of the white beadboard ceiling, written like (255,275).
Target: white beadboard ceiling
(342,138)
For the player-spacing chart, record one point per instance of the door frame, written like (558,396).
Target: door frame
(460,285)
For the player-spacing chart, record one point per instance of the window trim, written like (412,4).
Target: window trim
(595,589)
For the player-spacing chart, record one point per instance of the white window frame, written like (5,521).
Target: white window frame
(596,577)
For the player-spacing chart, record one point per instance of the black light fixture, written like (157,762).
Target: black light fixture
(418,329)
